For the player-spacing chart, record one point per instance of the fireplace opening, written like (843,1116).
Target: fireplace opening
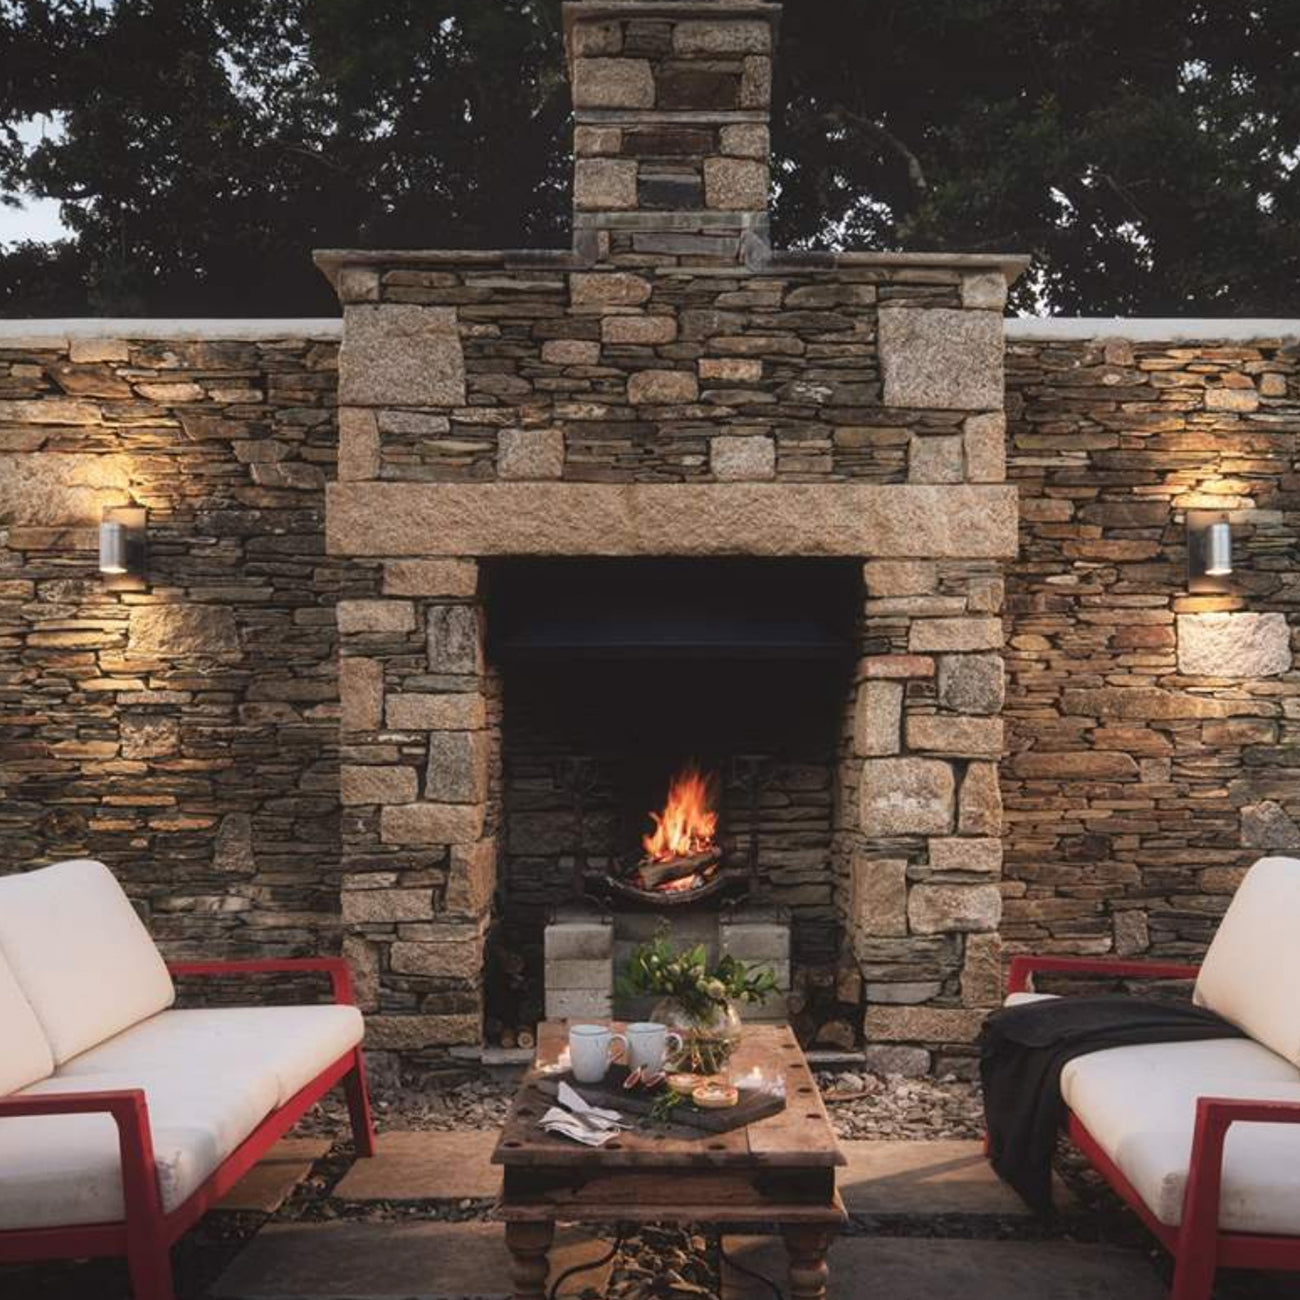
(670,731)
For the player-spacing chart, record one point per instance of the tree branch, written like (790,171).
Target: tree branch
(915,172)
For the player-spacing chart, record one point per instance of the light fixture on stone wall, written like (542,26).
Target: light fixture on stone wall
(1209,550)
(122,548)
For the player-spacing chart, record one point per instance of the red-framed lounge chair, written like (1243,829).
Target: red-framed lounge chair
(1202,1139)
(122,1120)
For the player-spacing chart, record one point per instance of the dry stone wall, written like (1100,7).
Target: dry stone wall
(1152,733)
(187,734)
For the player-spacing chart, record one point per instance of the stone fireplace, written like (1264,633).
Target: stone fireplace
(672,396)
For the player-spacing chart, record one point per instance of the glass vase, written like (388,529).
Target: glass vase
(709,1039)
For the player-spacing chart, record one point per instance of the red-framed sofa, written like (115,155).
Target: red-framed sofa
(1202,1139)
(122,1120)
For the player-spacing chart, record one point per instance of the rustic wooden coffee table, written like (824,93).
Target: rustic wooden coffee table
(779,1170)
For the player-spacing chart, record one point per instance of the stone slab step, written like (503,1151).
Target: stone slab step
(425,1166)
(927,1268)
(393,1261)
(951,1177)
(268,1183)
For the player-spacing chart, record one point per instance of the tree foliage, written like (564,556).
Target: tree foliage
(1148,156)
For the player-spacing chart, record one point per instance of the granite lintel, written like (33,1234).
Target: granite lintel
(332,260)
(762,519)
(639,117)
(1012,265)
(621,10)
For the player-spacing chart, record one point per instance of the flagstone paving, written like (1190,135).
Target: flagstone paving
(927,1178)
(926,1268)
(393,1261)
(268,1184)
(450,1166)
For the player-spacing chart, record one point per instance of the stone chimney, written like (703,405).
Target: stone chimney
(671,144)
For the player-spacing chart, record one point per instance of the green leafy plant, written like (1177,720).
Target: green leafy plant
(684,975)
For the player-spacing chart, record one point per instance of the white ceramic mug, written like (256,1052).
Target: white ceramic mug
(591,1047)
(648,1045)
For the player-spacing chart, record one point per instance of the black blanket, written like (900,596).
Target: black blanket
(1023,1050)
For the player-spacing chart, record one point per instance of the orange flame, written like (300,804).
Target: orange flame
(688,822)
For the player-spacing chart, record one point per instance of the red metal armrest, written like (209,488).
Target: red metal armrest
(1020,977)
(335,967)
(130,1112)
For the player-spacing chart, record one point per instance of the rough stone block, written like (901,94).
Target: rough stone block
(149,736)
(358,443)
(430,578)
(981,971)
(909,1062)
(889,521)
(530,454)
(747,140)
(731,369)
(954,634)
(400,354)
(879,896)
(454,711)
(176,631)
(579,1004)
(735,184)
(721,35)
(362,957)
(1241,400)
(946,734)
(972,683)
(756,82)
(764,942)
(935,459)
(596,38)
(941,358)
(985,438)
(358,284)
(413,1033)
(456,953)
(594,141)
(361,693)
(877,717)
(604,184)
(939,909)
(1074,765)
(1265,825)
(458,767)
(923,1024)
(1131,931)
(984,290)
(1234,645)
(748,458)
(431,823)
(360,617)
(967,854)
(472,877)
(906,796)
(607,289)
(386,906)
(455,640)
(899,578)
(571,352)
(377,785)
(647,387)
(643,331)
(613,83)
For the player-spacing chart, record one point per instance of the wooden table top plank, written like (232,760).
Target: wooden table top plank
(800,1137)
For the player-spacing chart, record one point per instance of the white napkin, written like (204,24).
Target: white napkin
(565,1125)
(573,1101)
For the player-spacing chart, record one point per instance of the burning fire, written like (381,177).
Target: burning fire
(688,822)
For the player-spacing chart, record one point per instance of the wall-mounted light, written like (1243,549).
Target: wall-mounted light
(122,548)
(1209,551)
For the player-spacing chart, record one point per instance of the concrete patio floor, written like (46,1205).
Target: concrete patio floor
(928,1220)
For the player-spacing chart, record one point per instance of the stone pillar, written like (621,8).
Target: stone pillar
(671,143)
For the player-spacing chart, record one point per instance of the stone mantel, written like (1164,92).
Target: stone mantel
(877,521)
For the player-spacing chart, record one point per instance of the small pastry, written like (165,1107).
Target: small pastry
(715,1096)
(686,1083)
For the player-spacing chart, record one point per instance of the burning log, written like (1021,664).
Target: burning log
(655,874)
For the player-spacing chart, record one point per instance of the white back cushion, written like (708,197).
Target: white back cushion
(1251,974)
(25,1056)
(80,954)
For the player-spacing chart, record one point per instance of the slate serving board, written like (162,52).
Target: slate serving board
(754,1104)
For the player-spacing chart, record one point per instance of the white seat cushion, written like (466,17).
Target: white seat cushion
(291,1044)
(81,956)
(1252,970)
(1139,1103)
(1019,999)
(60,1170)
(25,1055)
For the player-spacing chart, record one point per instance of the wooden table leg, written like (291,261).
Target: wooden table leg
(807,1246)
(528,1244)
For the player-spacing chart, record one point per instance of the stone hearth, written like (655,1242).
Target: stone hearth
(673,387)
